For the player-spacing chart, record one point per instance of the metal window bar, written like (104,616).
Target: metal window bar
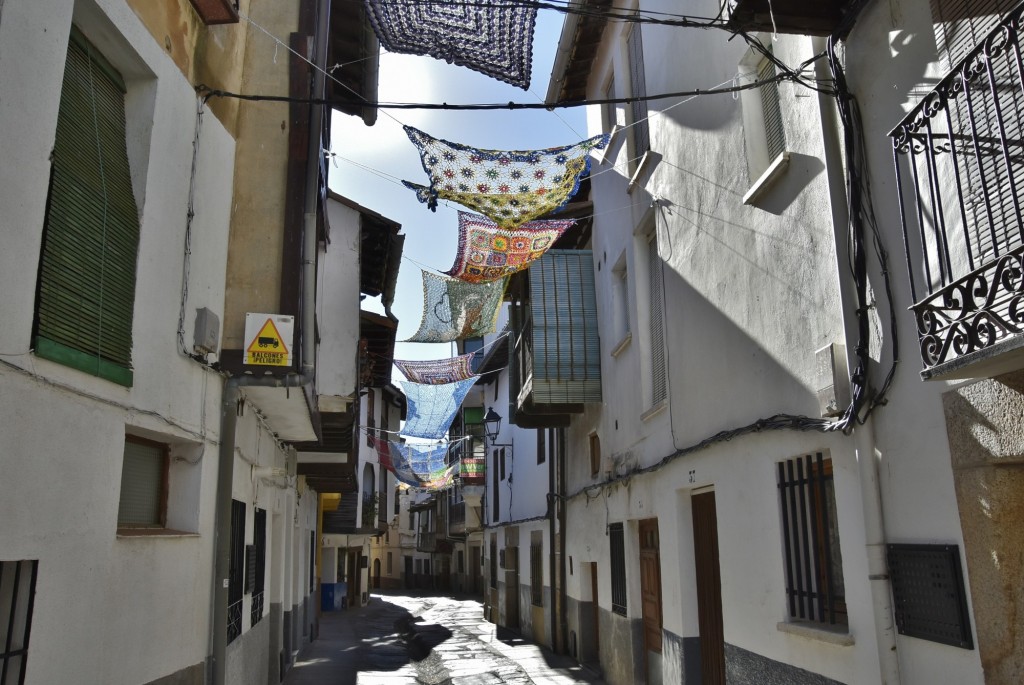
(256,611)
(659,380)
(617,543)
(17,599)
(959,161)
(807,528)
(234,620)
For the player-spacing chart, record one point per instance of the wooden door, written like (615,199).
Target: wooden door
(650,597)
(709,589)
(512,588)
(597,613)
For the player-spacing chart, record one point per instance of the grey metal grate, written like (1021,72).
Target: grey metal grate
(928,593)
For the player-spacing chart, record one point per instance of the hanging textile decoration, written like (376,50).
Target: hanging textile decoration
(509,186)
(488,252)
(453,309)
(437,371)
(432,407)
(418,466)
(494,38)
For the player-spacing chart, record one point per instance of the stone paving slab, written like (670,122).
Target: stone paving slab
(407,639)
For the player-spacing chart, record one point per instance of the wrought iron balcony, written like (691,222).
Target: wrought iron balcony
(959,158)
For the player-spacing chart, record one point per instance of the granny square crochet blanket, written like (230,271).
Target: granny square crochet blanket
(488,252)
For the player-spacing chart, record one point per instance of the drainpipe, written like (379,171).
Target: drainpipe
(229,401)
(863,436)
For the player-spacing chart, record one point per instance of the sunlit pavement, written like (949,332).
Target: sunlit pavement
(403,638)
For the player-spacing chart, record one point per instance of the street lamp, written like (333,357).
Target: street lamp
(492,426)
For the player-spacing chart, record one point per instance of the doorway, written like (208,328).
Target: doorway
(709,588)
(650,598)
(376,574)
(512,588)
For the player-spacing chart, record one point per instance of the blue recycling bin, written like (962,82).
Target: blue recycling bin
(332,596)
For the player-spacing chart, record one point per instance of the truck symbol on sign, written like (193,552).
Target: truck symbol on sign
(267,341)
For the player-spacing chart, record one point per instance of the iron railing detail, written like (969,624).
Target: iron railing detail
(234,620)
(256,611)
(959,160)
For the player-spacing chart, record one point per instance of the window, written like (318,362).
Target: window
(537,568)
(474,346)
(595,454)
(656,322)
(143,501)
(609,110)
(86,289)
(389,564)
(460,562)
(540,446)
(620,305)
(17,597)
(382,497)
(763,130)
(961,26)
(639,134)
(371,421)
(496,483)
(236,577)
(617,542)
(260,566)
(814,563)
(398,501)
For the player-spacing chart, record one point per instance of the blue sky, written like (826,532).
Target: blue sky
(431,237)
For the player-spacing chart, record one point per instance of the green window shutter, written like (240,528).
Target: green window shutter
(143,485)
(90,244)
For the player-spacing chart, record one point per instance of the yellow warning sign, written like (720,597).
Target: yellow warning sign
(267,347)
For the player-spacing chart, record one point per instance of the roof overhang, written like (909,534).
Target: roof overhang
(353,61)
(577,47)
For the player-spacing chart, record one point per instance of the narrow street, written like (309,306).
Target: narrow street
(399,638)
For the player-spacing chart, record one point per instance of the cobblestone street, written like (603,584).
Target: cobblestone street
(399,638)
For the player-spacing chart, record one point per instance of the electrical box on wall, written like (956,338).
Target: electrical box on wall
(206,336)
(832,380)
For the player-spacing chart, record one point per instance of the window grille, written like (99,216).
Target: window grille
(659,381)
(236,577)
(617,542)
(537,571)
(774,131)
(814,564)
(17,597)
(86,293)
(143,498)
(259,582)
(638,87)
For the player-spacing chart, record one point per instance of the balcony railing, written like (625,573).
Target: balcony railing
(959,158)
(426,542)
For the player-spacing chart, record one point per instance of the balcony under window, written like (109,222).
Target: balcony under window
(555,357)
(959,158)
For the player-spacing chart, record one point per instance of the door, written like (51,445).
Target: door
(474,570)
(709,589)
(596,611)
(408,584)
(512,588)
(376,574)
(650,598)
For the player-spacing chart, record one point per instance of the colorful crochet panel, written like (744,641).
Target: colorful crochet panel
(431,408)
(509,186)
(419,466)
(454,309)
(494,38)
(488,252)
(436,371)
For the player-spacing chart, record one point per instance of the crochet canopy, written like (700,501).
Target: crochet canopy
(431,408)
(509,186)
(435,371)
(488,252)
(494,37)
(454,309)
